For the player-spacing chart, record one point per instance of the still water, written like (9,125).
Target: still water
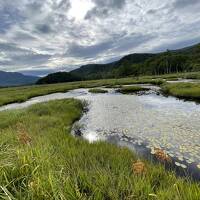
(145,122)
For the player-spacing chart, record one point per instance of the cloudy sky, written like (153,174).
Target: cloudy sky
(42,36)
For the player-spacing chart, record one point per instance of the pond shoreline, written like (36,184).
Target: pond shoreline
(142,152)
(42,159)
(79,133)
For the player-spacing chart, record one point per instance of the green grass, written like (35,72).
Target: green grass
(21,94)
(58,166)
(97,90)
(172,79)
(183,90)
(131,89)
(113,86)
(193,76)
(187,75)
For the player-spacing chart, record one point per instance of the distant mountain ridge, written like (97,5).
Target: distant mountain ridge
(16,79)
(98,71)
(172,61)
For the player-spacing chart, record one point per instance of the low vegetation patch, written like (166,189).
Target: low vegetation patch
(131,89)
(113,86)
(97,90)
(183,90)
(41,160)
(21,94)
(192,76)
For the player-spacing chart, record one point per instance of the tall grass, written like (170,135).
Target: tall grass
(21,94)
(131,89)
(183,90)
(97,90)
(52,164)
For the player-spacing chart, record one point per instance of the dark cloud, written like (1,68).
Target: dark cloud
(17,56)
(51,35)
(96,12)
(131,42)
(177,45)
(25,60)
(11,48)
(35,6)
(185,3)
(31,59)
(64,5)
(88,51)
(44,28)
(102,8)
(23,36)
(152,11)
(110,3)
(8,17)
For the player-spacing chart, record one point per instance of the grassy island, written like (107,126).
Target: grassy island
(131,89)
(97,90)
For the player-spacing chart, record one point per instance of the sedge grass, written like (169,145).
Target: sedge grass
(56,165)
(21,94)
(131,89)
(186,91)
(97,91)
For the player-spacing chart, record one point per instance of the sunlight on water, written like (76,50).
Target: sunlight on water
(151,120)
(91,137)
(156,121)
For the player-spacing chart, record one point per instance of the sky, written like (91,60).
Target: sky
(38,37)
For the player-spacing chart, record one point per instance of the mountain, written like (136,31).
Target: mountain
(58,77)
(98,71)
(171,61)
(92,71)
(15,79)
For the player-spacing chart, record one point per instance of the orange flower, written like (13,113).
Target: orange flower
(23,136)
(139,167)
(161,155)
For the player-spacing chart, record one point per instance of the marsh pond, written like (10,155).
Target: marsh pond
(143,122)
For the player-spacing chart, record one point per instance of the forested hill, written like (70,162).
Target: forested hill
(186,59)
(110,70)
(58,77)
(171,61)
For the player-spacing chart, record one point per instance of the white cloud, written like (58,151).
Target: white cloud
(51,35)
(79,8)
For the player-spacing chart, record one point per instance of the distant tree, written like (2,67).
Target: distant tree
(58,77)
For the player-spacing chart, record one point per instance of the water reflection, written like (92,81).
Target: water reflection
(147,121)
(151,120)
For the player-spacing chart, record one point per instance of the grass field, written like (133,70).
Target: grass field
(21,94)
(183,90)
(97,91)
(41,160)
(131,89)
